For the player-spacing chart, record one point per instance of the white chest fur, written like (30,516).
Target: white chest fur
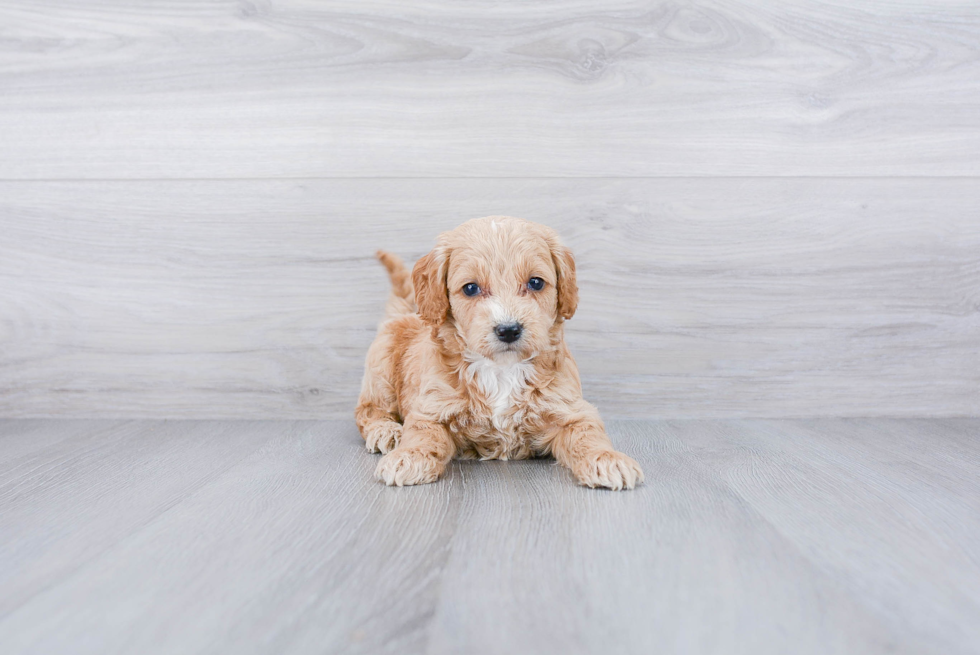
(502,383)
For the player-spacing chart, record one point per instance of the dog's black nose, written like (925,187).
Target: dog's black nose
(508,333)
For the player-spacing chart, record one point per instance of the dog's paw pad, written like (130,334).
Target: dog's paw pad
(383,436)
(609,469)
(407,467)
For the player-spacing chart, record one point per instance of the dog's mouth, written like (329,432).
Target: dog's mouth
(512,352)
(513,347)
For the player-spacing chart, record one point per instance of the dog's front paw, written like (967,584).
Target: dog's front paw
(404,466)
(382,436)
(608,468)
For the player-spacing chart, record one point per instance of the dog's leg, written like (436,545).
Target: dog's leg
(578,440)
(380,429)
(376,410)
(421,456)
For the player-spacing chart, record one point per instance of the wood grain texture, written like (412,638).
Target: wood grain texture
(723,297)
(227,89)
(95,483)
(749,536)
(298,530)
(725,515)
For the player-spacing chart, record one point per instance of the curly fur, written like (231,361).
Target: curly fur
(438,383)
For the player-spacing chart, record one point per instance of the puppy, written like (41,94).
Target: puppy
(471,361)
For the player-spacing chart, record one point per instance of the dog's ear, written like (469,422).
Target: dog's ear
(567,286)
(429,279)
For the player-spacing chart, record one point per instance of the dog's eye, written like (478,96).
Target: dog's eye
(535,284)
(471,289)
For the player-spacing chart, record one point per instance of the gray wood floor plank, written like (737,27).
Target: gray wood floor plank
(357,88)
(894,448)
(21,439)
(869,512)
(296,549)
(258,299)
(683,565)
(750,536)
(95,485)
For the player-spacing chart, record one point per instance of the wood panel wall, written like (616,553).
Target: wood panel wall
(775,208)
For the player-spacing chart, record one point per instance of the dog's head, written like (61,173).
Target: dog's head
(503,282)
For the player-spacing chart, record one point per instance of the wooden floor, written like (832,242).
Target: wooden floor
(750,536)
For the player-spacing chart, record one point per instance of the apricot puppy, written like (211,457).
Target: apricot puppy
(471,361)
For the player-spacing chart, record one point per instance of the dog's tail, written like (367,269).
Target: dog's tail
(402,298)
